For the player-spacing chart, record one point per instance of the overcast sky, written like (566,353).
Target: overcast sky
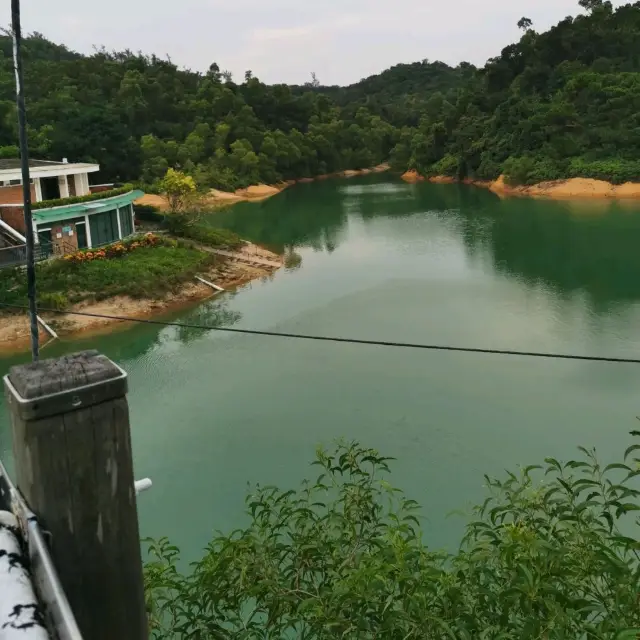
(284,40)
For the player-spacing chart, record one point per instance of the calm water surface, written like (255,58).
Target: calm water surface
(388,261)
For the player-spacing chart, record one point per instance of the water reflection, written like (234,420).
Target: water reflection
(212,313)
(307,216)
(588,247)
(569,249)
(423,263)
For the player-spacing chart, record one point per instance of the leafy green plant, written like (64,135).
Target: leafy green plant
(545,557)
(447,166)
(177,188)
(148,213)
(615,170)
(100,195)
(56,300)
(185,225)
(531,170)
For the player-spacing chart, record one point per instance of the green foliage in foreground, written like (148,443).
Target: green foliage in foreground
(343,557)
(149,272)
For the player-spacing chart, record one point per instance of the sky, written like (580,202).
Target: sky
(341,41)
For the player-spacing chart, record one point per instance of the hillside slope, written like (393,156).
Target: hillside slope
(565,103)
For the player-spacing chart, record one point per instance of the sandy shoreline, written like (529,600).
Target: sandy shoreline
(570,189)
(257,192)
(229,274)
(14,329)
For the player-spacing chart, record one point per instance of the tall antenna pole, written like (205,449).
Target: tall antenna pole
(26,182)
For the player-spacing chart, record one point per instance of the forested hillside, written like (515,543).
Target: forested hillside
(139,115)
(400,94)
(556,104)
(564,103)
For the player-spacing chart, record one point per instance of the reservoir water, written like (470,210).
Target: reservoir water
(383,260)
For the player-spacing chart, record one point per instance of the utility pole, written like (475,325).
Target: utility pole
(26,181)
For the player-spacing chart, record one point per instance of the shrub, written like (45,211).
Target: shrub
(55,300)
(60,202)
(184,226)
(489,168)
(177,187)
(343,557)
(614,170)
(9,151)
(531,170)
(224,179)
(447,166)
(148,213)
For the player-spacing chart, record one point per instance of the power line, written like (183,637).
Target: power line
(302,336)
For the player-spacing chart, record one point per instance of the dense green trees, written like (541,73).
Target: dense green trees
(139,116)
(549,554)
(564,103)
(556,104)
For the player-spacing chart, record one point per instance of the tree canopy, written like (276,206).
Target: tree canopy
(557,104)
(547,555)
(140,115)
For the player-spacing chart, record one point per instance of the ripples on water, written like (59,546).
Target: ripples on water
(384,260)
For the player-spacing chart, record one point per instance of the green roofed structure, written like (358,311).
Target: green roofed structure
(68,213)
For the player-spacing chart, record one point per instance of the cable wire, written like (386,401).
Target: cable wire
(360,341)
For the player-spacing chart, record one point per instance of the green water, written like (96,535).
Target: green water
(388,261)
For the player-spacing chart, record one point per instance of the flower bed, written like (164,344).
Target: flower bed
(115,250)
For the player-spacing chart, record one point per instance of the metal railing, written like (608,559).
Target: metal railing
(58,616)
(16,256)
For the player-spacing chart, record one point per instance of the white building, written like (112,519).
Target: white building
(75,215)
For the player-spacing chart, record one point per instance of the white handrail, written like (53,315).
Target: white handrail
(11,231)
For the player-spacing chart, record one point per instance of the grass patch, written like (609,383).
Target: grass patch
(183,226)
(148,272)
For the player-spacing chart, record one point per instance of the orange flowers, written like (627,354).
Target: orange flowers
(116,250)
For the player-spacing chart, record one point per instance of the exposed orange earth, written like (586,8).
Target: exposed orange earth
(571,188)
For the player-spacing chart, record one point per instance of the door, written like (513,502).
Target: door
(64,238)
(45,246)
(81,232)
(104,227)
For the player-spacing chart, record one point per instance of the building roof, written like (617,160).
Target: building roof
(64,212)
(9,164)
(10,168)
